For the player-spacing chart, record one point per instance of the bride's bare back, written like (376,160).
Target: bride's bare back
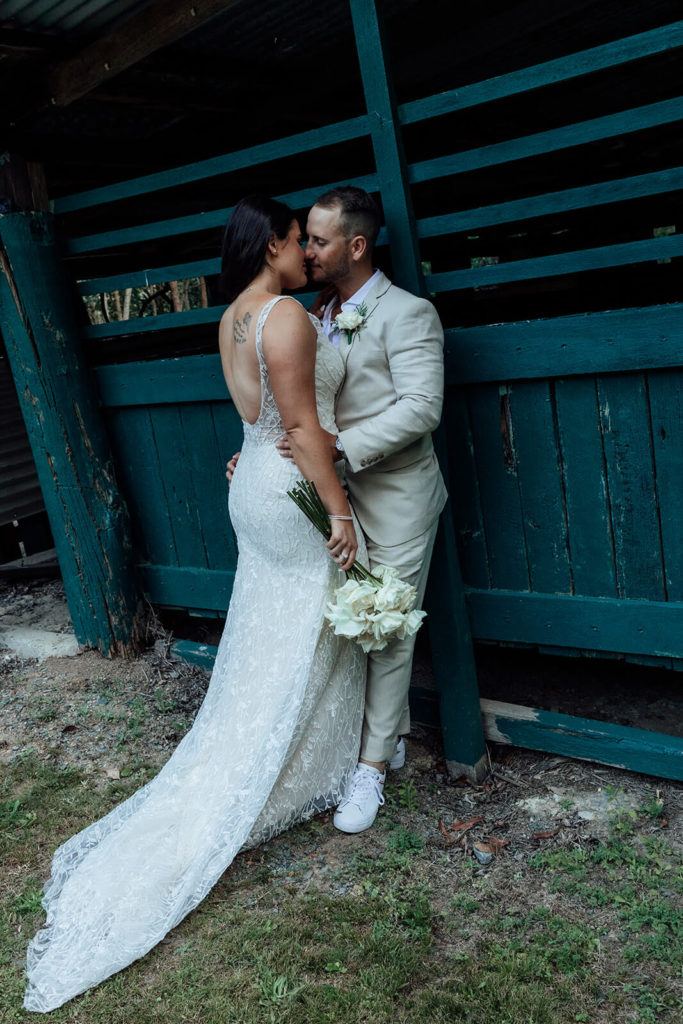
(236,337)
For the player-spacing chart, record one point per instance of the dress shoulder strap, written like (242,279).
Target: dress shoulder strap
(262,317)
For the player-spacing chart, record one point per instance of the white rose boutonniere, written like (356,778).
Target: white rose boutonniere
(351,321)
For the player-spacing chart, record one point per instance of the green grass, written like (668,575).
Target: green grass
(397,930)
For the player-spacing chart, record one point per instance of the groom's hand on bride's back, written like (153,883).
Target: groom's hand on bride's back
(231,466)
(285,449)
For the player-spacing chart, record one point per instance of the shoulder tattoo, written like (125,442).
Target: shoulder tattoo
(241,329)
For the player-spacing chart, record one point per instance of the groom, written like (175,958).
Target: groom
(389,404)
(387,407)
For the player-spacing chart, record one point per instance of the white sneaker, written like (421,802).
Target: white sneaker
(362,800)
(399,758)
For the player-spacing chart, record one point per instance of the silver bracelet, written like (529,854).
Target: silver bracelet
(350,518)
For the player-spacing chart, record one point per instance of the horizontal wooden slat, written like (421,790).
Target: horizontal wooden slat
(302,142)
(202,655)
(143,278)
(562,69)
(553,202)
(162,322)
(595,130)
(636,749)
(600,624)
(207,589)
(599,258)
(186,379)
(618,340)
(587,343)
(201,221)
(168,321)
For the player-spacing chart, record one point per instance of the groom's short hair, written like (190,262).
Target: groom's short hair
(358,212)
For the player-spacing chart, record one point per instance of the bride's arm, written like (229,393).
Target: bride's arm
(289,346)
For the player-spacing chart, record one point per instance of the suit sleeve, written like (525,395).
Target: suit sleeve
(414,346)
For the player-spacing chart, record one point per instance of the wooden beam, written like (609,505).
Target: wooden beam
(89,520)
(22,184)
(639,750)
(160,23)
(449,631)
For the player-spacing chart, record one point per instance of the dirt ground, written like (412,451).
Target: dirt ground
(107,716)
(117,721)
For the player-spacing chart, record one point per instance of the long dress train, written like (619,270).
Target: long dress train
(273,743)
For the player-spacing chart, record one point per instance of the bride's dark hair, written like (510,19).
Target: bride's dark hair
(254,221)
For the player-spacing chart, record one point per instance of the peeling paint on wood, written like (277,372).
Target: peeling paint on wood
(88,518)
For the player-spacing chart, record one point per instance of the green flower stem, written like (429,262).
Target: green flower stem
(305,495)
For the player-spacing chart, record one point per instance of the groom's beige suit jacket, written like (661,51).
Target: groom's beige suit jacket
(388,406)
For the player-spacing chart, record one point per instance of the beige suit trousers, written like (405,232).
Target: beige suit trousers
(386,697)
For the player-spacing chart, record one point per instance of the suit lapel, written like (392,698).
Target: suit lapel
(374,296)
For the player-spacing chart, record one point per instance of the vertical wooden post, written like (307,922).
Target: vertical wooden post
(388,147)
(449,632)
(89,520)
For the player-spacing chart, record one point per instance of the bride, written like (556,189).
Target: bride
(278,733)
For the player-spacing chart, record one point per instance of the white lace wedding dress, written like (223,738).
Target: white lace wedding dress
(273,743)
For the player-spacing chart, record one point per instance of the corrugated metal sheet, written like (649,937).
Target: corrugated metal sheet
(81,17)
(20,493)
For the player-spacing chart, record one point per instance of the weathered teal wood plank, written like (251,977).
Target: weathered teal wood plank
(496,461)
(627,443)
(636,749)
(597,623)
(162,322)
(581,198)
(622,339)
(608,127)
(207,481)
(181,496)
(464,491)
(599,258)
(302,142)
(229,431)
(142,278)
(451,644)
(540,486)
(665,393)
(453,658)
(387,145)
(200,221)
(183,587)
(137,462)
(184,379)
(585,484)
(561,69)
(201,655)
(89,520)
(168,321)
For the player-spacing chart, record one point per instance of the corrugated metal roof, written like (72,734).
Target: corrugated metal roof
(20,493)
(60,16)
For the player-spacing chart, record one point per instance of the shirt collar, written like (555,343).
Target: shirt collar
(351,303)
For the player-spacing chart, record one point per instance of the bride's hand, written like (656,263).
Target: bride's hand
(342,544)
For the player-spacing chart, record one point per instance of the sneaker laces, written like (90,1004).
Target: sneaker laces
(363,785)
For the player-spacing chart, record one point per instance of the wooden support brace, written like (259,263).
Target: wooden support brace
(624,747)
(448,618)
(155,26)
(89,520)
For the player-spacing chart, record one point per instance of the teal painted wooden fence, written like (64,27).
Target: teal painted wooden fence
(564,432)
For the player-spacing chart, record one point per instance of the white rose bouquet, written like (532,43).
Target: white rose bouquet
(371,608)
